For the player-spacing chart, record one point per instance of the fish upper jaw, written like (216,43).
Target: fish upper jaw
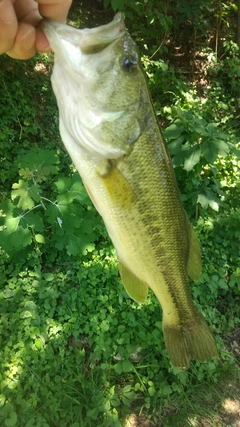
(63,37)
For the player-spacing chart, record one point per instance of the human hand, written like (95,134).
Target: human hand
(20,35)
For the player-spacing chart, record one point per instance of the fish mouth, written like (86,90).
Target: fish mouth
(89,40)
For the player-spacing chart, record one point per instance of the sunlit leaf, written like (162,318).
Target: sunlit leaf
(209,199)
(39,238)
(21,191)
(213,148)
(72,189)
(14,237)
(192,158)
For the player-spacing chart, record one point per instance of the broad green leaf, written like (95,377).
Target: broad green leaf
(16,233)
(209,199)
(71,189)
(151,391)
(214,132)
(199,126)
(193,157)
(8,293)
(117,4)
(176,145)
(92,414)
(25,194)
(166,390)
(26,173)
(118,368)
(79,244)
(49,277)
(127,388)
(39,238)
(11,420)
(127,366)
(40,163)
(213,148)
(174,130)
(2,400)
(33,219)
(203,200)
(233,149)
(38,343)
(64,215)
(126,401)
(180,157)
(79,236)
(25,314)
(15,237)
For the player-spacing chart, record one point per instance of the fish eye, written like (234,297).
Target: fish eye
(129,64)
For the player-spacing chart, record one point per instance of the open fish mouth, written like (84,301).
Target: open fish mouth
(89,40)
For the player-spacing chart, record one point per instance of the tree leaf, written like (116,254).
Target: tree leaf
(233,149)
(193,157)
(215,133)
(209,199)
(182,154)
(174,130)
(213,148)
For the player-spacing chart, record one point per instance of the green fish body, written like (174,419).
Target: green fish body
(108,125)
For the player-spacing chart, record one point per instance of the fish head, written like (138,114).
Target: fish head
(99,86)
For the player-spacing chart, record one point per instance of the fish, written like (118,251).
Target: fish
(109,127)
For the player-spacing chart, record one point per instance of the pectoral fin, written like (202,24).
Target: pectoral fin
(194,266)
(117,187)
(136,288)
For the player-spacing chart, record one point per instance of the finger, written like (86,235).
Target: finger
(24,45)
(54,9)
(8,25)
(42,43)
(27,11)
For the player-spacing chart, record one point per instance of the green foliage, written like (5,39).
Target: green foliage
(75,335)
(196,145)
(220,279)
(164,85)
(195,12)
(32,220)
(155,22)
(24,120)
(226,70)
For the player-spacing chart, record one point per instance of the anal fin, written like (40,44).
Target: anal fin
(135,287)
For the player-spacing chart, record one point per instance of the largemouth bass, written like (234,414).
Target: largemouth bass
(109,128)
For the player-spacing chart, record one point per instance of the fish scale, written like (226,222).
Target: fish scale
(109,128)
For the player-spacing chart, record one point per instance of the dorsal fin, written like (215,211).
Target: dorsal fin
(194,266)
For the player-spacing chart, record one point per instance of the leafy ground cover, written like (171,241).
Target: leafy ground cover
(75,350)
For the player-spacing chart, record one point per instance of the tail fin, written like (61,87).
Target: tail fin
(192,340)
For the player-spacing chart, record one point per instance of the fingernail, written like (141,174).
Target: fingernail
(45,44)
(28,40)
(6,12)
